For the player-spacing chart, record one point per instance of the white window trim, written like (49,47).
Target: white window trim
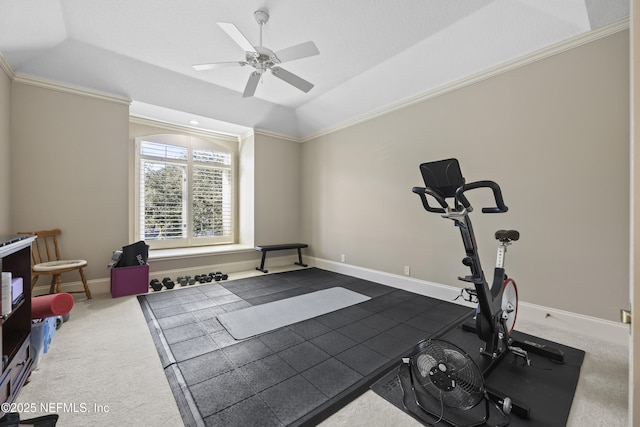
(192,140)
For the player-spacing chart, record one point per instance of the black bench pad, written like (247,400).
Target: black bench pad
(268,248)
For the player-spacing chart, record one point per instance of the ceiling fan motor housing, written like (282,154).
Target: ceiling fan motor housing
(261,16)
(263,60)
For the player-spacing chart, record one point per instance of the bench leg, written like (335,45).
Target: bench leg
(261,268)
(300,259)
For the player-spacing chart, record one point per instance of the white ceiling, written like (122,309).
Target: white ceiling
(373,53)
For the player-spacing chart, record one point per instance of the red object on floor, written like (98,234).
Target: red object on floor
(51,305)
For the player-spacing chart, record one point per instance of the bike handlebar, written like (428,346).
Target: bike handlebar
(422,192)
(461,198)
(497,195)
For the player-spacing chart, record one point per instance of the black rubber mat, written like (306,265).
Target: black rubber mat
(545,388)
(296,375)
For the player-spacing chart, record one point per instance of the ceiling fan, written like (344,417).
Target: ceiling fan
(263,59)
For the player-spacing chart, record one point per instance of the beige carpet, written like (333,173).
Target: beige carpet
(102,369)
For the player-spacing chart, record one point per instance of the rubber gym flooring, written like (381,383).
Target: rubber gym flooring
(544,388)
(296,375)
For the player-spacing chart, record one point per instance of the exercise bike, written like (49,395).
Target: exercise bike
(497,306)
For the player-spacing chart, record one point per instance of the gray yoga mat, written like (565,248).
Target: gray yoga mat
(258,319)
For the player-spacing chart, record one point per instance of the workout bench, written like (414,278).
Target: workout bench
(269,248)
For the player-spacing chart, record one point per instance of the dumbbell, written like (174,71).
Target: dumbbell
(61,319)
(168,283)
(217,276)
(156,285)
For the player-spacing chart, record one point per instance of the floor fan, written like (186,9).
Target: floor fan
(447,384)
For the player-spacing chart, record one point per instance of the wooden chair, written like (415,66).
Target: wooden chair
(48,262)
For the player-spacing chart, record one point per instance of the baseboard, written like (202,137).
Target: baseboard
(97,286)
(103,285)
(602,329)
(422,287)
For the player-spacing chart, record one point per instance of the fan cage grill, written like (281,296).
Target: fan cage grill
(448,374)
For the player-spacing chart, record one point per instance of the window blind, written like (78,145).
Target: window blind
(185,193)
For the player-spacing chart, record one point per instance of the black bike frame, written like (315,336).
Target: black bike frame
(444,180)
(488,319)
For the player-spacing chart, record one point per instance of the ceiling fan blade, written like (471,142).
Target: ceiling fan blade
(292,79)
(202,67)
(233,32)
(298,51)
(252,84)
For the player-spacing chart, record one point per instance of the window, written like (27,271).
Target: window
(184,191)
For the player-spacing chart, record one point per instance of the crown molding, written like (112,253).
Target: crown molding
(277,135)
(248,134)
(538,55)
(66,88)
(6,67)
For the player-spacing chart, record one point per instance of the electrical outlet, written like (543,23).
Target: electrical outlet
(343,258)
(407,270)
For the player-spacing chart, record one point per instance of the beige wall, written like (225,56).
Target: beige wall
(5,161)
(277,190)
(69,154)
(77,154)
(554,134)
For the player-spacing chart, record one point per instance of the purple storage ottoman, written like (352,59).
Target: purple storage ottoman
(129,280)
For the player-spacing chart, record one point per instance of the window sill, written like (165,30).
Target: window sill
(197,251)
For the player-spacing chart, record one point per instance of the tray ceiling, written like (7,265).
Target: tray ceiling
(374,54)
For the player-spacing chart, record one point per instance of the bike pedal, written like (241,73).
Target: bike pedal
(519,352)
(549,352)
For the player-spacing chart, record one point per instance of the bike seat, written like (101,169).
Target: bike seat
(507,235)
